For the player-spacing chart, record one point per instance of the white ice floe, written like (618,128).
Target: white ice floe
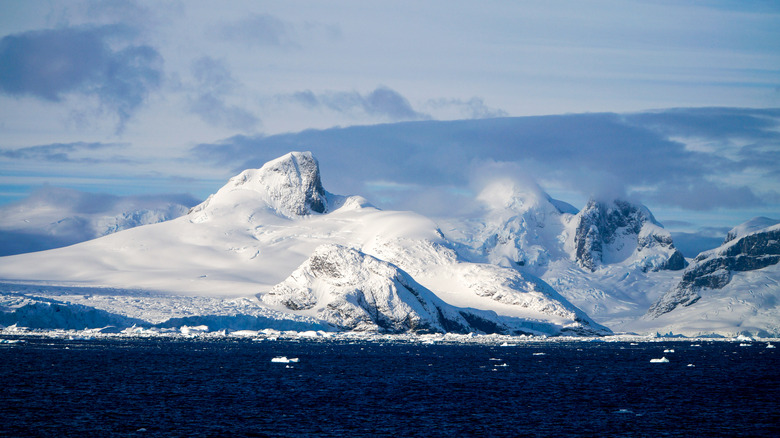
(669,350)
(769,345)
(661,360)
(284,359)
(539,354)
(187,330)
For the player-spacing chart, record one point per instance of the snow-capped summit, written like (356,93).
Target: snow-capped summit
(289,185)
(521,226)
(751,226)
(615,232)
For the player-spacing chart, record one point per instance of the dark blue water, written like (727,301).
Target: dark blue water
(169,387)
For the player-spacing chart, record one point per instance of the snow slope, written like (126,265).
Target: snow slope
(265,223)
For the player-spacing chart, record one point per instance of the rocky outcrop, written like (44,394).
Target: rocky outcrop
(713,269)
(609,232)
(290,185)
(355,291)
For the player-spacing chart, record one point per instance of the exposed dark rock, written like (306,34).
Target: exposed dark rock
(601,224)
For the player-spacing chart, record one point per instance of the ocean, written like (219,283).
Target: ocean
(231,387)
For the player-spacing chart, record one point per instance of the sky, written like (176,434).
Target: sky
(410,104)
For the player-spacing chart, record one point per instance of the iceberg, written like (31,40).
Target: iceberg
(661,360)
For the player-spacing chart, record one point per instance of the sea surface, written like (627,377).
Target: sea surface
(230,387)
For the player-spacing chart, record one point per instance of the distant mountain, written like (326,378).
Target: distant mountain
(270,233)
(54,217)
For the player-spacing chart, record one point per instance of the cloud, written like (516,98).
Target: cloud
(704,195)
(53,217)
(78,152)
(600,155)
(213,85)
(260,29)
(54,63)
(382,102)
(266,30)
(474,108)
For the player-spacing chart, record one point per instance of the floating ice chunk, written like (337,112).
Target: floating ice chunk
(691,365)
(186,330)
(745,345)
(661,360)
(502,365)
(284,359)
(507,345)
(539,354)
(743,338)
(495,358)
(669,350)
(769,345)
(245,333)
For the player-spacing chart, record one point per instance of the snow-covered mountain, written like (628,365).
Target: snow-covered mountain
(613,260)
(274,249)
(617,232)
(733,287)
(262,232)
(54,217)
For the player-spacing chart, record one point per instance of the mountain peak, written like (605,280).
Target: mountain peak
(751,226)
(617,231)
(291,182)
(290,185)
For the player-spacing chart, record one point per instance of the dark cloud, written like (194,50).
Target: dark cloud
(711,123)
(213,85)
(599,155)
(382,102)
(50,64)
(62,152)
(704,195)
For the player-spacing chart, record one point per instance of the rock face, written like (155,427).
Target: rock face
(713,269)
(290,185)
(607,233)
(355,291)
